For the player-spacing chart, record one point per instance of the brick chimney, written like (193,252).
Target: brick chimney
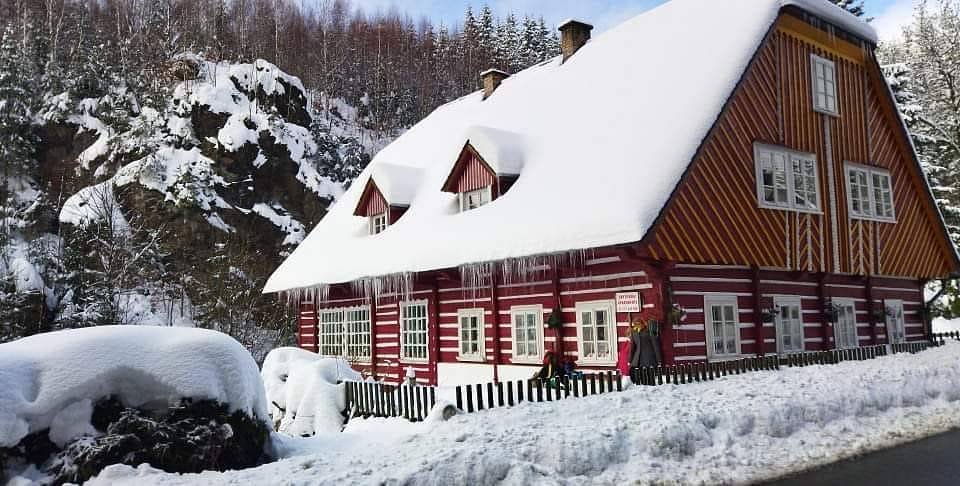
(573,35)
(491,81)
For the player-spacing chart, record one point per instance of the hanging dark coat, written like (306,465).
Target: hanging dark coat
(646,349)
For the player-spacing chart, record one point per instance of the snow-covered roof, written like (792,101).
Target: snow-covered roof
(397,183)
(604,138)
(503,151)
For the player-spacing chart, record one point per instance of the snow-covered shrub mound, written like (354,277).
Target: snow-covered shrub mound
(305,391)
(48,381)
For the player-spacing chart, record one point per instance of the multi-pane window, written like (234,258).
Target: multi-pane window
(869,193)
(475,198)
(331,332)
(357,333)
(345,333)
(413,331)
(723,326)
(786,179)
(471,334)
(789,324)
(378,223)
(845,329)
(596,326)
(895,324)
(824,85)
(527,333)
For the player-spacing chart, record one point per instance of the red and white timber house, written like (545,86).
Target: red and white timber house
(749,179)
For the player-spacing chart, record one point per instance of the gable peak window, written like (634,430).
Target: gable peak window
(378,223)
(824,74)
(787,179)
(475,198)
(869,193)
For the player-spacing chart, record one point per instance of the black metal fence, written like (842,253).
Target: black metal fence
(472,398)
(412,402)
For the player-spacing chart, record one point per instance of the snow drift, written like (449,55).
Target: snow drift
(735,430)
(305,391)
(50,380)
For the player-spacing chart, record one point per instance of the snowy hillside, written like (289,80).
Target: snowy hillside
(734,430)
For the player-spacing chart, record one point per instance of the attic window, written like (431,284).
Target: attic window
(824,85)
(870,193)
(378,223)
(475,198)
(787,179)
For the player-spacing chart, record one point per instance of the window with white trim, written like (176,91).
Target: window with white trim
(527,333)
(378,223)
(475,198)
(723,326)
(896,332)
(331,332)
(345,332)
(357,333)
(789,324)
(845,329)
(824,85)
(596,332)
(869,193)
(472,345)
(786,179)
(414,331)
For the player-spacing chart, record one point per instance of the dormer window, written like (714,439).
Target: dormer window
(378,223)
(475,198)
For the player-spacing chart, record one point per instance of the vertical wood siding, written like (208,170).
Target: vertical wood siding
(475,175)
(714,218)
(376,203)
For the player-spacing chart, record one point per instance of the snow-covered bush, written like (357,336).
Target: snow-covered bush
(305,391)
(181,399)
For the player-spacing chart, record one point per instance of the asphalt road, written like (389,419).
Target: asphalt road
(934,461)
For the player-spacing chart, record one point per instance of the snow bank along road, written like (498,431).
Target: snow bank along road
(735,430)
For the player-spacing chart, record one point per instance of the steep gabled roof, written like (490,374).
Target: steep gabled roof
(603,139)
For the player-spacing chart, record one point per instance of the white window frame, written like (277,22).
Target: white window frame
(522,311)
(485,193)
(826,87)
(478,314)
(379,222)
(610,328)
(722,300)
(779,302)
(357,334)
(896,324)
(330,332)
(341,340)
(838,340)
(869,213)
(789,157)
(405,331)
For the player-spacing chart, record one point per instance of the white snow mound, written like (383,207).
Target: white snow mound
(50,380)
(303,391)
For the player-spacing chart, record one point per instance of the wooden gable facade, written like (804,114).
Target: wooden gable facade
(471,172)
(714,217)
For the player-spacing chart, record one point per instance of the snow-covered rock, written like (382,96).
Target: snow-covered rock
(305,391)
(49,380)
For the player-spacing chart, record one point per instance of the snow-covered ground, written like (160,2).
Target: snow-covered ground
(946,325)
(738,429)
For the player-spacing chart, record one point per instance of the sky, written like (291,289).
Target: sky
(889,14)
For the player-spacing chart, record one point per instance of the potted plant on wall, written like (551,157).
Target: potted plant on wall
(676,315)
(555,322)
(769,315)
(831,312)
